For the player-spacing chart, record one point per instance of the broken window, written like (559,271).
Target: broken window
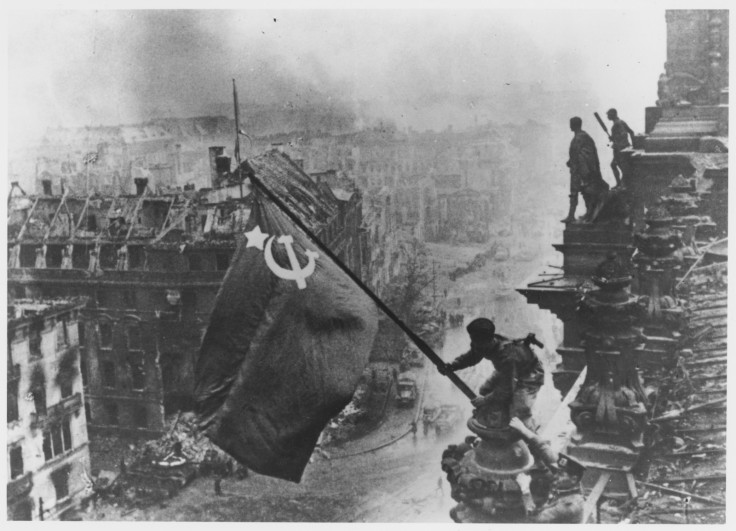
(91,223)
(137,374)
(66,434)
(60,479)
(37,389)
(103,298)
(135,257)
(133,335)
(80,257)
(22,511)
(28,255)
(189,224)
(34,337)
(105,335)
(39,401)
(53,256)
(83,369)
(57,439)
(13,413)
(108,257)
(16,462)
(48,453)
(111,410)
(189,299)
(13,381)
(66,389)
(129,298)
(67,372)
(223,261)
(140,416)
(108,373)
(62,334)
(195,262)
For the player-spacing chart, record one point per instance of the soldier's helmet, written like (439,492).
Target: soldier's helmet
(570,465)
(481,328)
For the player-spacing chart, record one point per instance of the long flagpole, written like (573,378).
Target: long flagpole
(237,136)
(237,125)
(418,341)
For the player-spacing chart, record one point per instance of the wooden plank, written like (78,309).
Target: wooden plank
(101,230)
(717,477)
(133,217)
(81,217)
(53,219)
(595,494)
(677,413)
(701,430)
(708,451)
(682,493)
(182,216)
(632,485)
(25,223)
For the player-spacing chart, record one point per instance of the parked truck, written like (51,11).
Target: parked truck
(406,390)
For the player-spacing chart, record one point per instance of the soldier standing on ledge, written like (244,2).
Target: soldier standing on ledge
(620,132)
(518,372)
(585,172)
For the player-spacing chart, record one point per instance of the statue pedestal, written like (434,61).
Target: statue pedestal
(483,475)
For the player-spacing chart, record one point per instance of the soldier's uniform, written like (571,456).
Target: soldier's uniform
(518,374)
(585,174)
(620,132)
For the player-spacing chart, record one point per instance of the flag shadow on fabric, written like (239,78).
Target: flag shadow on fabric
(287,342)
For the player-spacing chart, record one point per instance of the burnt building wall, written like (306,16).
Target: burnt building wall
(47,441)
(143,323)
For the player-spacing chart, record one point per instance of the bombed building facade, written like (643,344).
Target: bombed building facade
(150,265)
(47,443)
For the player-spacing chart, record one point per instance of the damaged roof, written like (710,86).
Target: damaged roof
(293,186)
(146,219)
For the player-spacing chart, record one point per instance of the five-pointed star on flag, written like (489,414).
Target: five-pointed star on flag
(256,238)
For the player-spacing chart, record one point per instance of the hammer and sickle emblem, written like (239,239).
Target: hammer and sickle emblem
(296,272)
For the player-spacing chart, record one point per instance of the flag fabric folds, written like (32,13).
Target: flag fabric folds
(287,342)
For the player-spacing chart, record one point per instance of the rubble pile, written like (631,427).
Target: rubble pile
(196,448)
(352,420)
(686,481)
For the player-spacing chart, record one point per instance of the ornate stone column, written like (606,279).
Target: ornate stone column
(609,412)
(659,258)
(683,203)
(483,471)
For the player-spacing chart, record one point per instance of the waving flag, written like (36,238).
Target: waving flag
(287,341)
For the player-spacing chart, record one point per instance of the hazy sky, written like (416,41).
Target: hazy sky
(106,67)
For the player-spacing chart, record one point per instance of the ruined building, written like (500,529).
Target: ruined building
(48,454)
(150,265)
(643,303)
(638,280)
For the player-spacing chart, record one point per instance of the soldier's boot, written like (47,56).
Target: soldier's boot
(571,213)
